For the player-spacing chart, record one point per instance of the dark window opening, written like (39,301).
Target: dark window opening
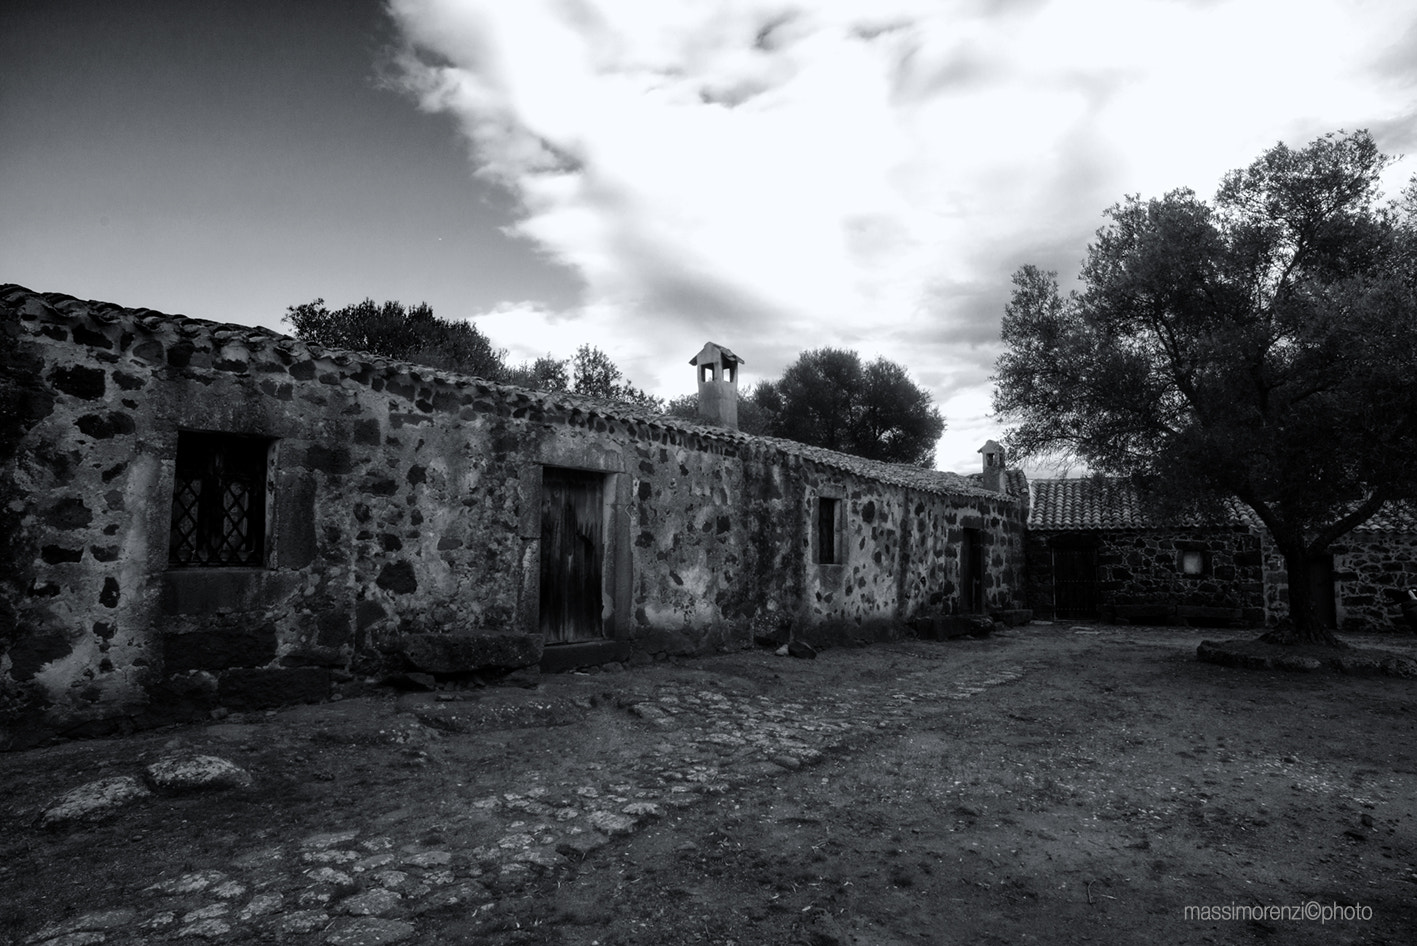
(828,552)
(219,501)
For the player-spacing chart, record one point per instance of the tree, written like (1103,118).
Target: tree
(752,419)
(396,331)
(1263,348)
(684,407)
(827,398)
(595,375)
(543,374)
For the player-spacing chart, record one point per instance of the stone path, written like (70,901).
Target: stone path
(369,887)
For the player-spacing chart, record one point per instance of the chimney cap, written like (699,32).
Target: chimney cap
(713,352)
(990,447)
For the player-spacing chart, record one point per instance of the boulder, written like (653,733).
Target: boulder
(94,801)
(195,773)
(801,649)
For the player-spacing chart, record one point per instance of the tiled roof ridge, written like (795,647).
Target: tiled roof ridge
(1100,502)
(1050,509)
(13,298)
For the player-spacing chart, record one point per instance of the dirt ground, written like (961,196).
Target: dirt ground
(1050,784)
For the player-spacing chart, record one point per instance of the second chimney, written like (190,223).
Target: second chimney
(993,466)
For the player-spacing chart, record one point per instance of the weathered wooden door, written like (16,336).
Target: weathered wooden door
(1075,583)
(572,555)
(971,572)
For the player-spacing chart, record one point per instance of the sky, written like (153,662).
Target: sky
(647,176)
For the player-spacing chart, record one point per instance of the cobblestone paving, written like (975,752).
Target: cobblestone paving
(369,887)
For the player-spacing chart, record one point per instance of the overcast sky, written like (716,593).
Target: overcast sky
(646,176)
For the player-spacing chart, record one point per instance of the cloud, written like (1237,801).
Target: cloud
(782,175)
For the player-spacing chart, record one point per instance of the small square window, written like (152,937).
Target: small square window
(1192,562)
(828,542)
(219,501)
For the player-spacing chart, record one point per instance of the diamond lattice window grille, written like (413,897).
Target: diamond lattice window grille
(218,501)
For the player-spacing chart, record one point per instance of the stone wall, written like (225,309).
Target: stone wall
(402,525)
(1139,575)
(1372,571)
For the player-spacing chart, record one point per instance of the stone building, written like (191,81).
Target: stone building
(1364,579)
(1096,549)
(202,516)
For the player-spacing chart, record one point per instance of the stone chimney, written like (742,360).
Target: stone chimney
(993,466)
(718,385)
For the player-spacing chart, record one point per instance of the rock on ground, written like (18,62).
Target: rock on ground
(369,931)
(94,800)
(195,773)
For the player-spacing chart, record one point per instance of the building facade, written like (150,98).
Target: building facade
(202,516)
(1097,550)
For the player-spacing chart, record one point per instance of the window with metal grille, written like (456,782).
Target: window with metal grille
(219,501)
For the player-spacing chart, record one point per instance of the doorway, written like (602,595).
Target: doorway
(572,555)
(971,572)
(1075,594)
(1321,590)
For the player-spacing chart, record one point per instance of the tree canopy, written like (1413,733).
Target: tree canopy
(398,331)
(543,374)
(829,398)
(415,334)
(1262,346)
(595,375)
(752,419)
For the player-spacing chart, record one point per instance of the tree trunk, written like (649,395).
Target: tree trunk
(1304,625)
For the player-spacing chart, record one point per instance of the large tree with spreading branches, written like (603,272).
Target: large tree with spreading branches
(1262,346)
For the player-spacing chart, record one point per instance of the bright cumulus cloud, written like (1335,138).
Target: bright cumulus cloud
(779,176)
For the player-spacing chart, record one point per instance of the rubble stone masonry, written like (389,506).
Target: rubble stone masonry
(1140,576)
(1371,574)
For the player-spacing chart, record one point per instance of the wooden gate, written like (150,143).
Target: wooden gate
(1075,583)
(572,555)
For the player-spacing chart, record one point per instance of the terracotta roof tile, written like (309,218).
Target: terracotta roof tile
(1393,517)
(16,298)
(1104,503)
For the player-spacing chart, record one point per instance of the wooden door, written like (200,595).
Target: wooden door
(971,571)
(572,555)
(1075,583)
